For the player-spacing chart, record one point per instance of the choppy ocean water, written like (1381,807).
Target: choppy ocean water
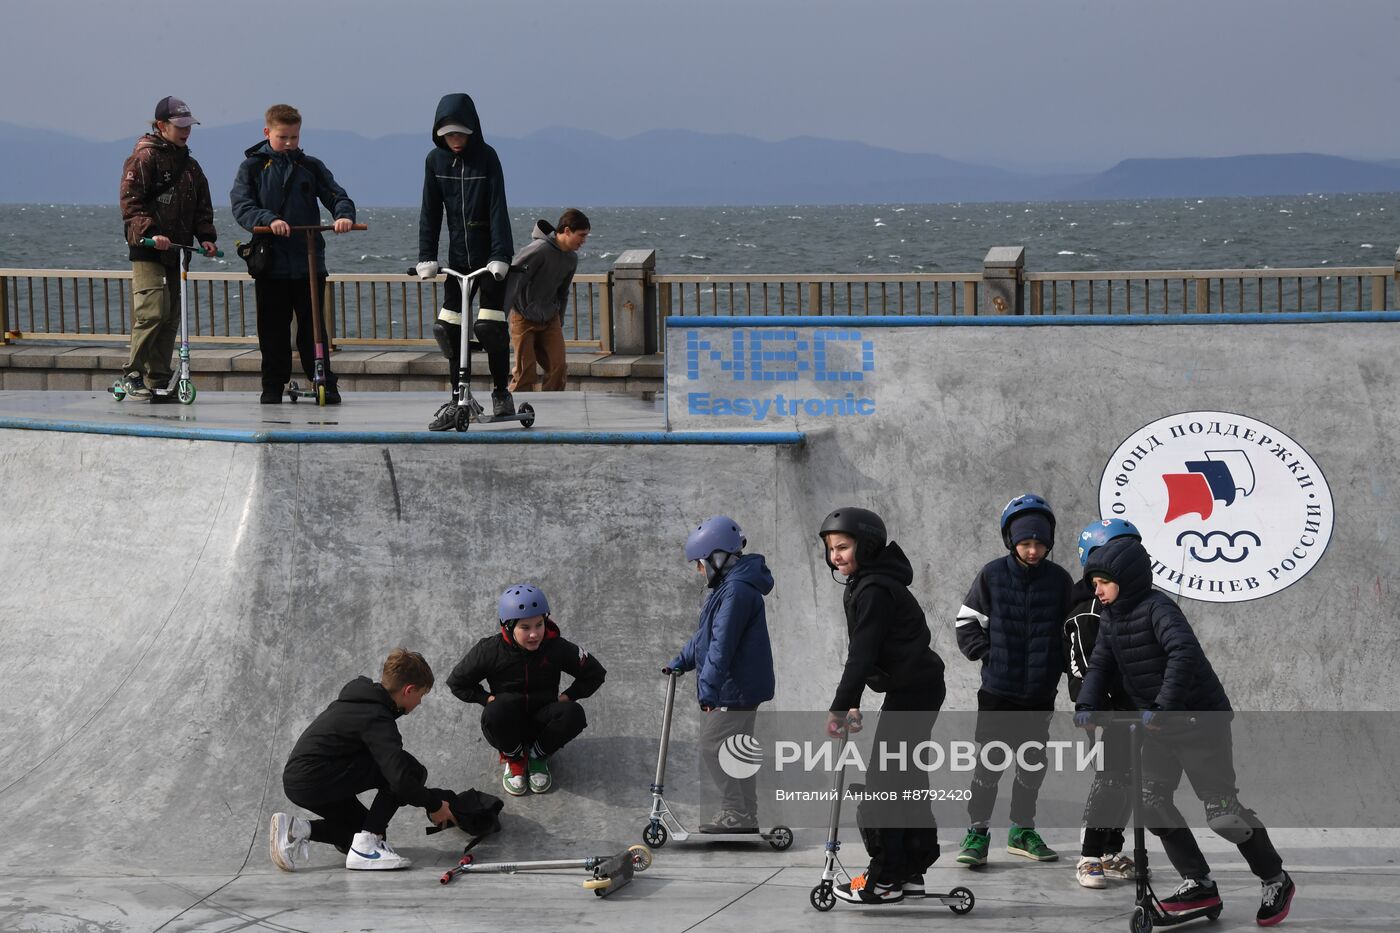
(1276,232)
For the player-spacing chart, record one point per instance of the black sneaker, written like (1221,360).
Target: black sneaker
(1278,897)
(502,405)
(446,417)
(332,394)
(136,387)
(270,397)
(731,821)
(1192,894)
(860,891)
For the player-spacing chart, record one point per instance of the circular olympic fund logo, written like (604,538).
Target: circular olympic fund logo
(1230,508)
(740,756)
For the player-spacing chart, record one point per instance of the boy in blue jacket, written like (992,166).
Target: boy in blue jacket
(731,656)
(1146,642)
(1010,622)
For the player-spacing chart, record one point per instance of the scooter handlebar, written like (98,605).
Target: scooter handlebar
(311,227)
(150,242)
(464,276)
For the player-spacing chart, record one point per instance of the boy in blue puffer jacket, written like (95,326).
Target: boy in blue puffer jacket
(1010,622)
(731,656)
(1145,642)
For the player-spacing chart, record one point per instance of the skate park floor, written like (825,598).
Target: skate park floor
(1346,880)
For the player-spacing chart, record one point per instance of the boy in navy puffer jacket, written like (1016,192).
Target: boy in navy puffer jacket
(1146,642)
(1010,622)
(732,657)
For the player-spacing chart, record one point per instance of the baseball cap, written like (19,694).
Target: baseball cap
(454,128)
(175,111)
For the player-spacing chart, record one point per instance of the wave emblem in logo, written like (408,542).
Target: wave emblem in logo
(1230,508)
(740,756)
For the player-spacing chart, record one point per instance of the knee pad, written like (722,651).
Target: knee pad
(1231,820)
(449,338)
(492,332)
(1158,810)
(1108,802)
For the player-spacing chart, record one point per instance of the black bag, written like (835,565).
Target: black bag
(477,813)
(257,253)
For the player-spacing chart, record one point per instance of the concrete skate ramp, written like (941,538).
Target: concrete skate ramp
(174,612)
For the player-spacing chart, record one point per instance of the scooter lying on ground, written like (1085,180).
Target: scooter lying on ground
(610,873)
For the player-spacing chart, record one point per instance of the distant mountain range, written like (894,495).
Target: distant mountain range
(560,166)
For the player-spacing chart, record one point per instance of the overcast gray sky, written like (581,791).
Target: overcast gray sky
(1073,84)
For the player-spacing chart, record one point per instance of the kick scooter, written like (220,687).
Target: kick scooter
(1148,912)
(823,895)
(181,384)
(318,379)
(610,873)
(468,408)
(662,824)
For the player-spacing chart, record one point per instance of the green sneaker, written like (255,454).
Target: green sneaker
(540,778)
(1028,844)
(974,847)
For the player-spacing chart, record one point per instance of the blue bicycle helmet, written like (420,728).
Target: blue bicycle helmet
(521,601)
(1020,505)
(1097,534)
(715,541)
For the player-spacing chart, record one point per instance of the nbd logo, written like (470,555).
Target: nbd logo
(830,357)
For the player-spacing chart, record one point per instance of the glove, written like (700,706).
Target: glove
(498,269)
(428,269)
(1084,719)
(1147,716)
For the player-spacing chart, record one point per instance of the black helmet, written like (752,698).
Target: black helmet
(862,524)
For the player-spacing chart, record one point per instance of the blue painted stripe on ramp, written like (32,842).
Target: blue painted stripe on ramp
(1041,320)
(230,435)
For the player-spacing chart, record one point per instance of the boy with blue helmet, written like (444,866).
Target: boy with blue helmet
(732,657)
(525,716)
(1109,802)
(1010,622)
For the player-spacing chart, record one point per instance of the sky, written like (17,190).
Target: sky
(1074,85)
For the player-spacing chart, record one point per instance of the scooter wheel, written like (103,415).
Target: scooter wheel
(464,417)
(321,395)
(118,391)
(529,411)
(1141,921)
(965,902)
(822,897)
(641,857)
(186,392)
(655,835)
(780,838)
(1213,913)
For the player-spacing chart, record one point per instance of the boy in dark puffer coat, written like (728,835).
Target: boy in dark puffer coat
(1010,622)
(1146,641)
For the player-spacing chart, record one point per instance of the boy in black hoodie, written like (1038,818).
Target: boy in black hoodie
(889,652)
(462,179)
(1010,621)
(352,747)
(1146,641)
(525,716)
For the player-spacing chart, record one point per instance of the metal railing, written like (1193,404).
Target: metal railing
(1205,291)
(47,304)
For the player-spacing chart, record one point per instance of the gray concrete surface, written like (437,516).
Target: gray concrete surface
(174,612)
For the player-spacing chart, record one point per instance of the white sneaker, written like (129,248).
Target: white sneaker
(288,841)
(369,852)
(1118,865)
(1090,873)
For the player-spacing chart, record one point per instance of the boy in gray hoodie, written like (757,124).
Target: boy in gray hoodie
(546,269)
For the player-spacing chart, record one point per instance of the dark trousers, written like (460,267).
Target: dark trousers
(512,727)
(901,836)
(1110,800)
(740,794)
(1206,754)
(496,332)
(1003,720)
(342,814)
(279,300)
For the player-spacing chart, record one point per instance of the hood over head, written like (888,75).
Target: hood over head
(456,109)
(1126,562)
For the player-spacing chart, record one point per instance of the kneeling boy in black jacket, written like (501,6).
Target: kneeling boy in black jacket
(525,716)
(352,747)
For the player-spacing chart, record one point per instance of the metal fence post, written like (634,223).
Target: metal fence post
(634,303)
(1003,285)
(4,310)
